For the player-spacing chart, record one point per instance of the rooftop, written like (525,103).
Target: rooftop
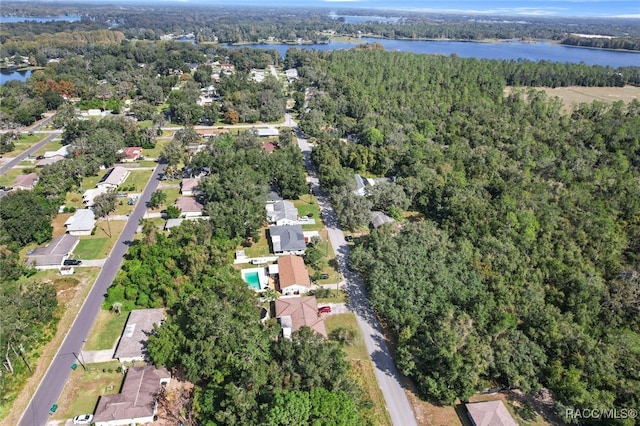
(282,210)
(27,181)
(114,177)
(189,184)
(379,218)
(490,413)
(136,400)
(82,220)
(291,271)
(54,252)
(139,326)
(188,205)
(300,312)
(287,238)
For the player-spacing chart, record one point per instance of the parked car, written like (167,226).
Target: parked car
(83,419)
(40,157)
(324,309)
(348,238)
(324,276)
(72,262)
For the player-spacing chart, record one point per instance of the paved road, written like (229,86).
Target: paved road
(386,372)
(28,152)
(57,375)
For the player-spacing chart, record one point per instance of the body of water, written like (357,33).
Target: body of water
(509,50)
(13,75)
(15,19)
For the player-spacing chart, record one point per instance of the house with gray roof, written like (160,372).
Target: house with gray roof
(379,218)
(132,345)
(137,402)
(282,213)
(113,178)
(287,239)
(53,254)
(81,223)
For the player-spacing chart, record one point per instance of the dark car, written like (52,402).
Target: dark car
(40,157)
(324,276)
(348,238)
(324,309)
(72,262)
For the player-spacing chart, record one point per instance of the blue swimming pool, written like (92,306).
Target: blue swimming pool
(253,279)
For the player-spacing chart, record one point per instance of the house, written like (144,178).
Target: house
(211,133)
(53,254)
(265,132)
(273,196)
(113,178)
(282,213)
(129,154)
(137,401)
(292,74)
(379,218)
(293,277)
(81,223)
(189,186)
(61,152)
(172,223)
(90,195)
(26,182)
(189,207)
(47,161)
(294,313)
(269,146)
(362,183)
(287,239)
(133,342)
(489,413)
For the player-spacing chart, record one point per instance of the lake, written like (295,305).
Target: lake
(16,19)
(530,51)
(13,75)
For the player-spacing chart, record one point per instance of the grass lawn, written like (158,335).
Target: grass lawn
(362,368)
(80,395)
(260,248)
(161,142)
(304,208)
(136,181)
(337,296)
(106,331)
(94,248)
(10,176)
(51,146)
(24,142)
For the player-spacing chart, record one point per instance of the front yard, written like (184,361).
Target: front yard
(105,331)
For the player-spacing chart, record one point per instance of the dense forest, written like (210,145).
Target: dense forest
(523,269)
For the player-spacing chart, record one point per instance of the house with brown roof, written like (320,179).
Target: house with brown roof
(489,413)
(26,182)
(189,207)
(132,345)
(293,277)
(137,402)
(294,313)
(189,186)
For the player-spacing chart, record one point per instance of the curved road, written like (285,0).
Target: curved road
(385,369)
(50,388)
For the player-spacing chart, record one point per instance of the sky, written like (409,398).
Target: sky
(585,8)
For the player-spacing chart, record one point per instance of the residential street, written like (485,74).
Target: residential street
(9,164)
(57,375)
(385,369)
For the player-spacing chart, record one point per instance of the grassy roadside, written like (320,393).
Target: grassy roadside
(71,294)
(362,368)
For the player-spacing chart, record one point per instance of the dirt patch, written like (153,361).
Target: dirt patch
(573,95)
(58,223)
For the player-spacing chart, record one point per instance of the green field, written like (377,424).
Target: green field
(92,248)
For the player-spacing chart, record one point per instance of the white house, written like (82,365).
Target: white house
(90,194)
(81,223)
(287,239)
(293,277)
(113,178)
(282,213)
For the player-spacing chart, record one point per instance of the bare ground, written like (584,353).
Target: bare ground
(574,95)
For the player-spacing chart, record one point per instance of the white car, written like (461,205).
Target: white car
(83,419)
